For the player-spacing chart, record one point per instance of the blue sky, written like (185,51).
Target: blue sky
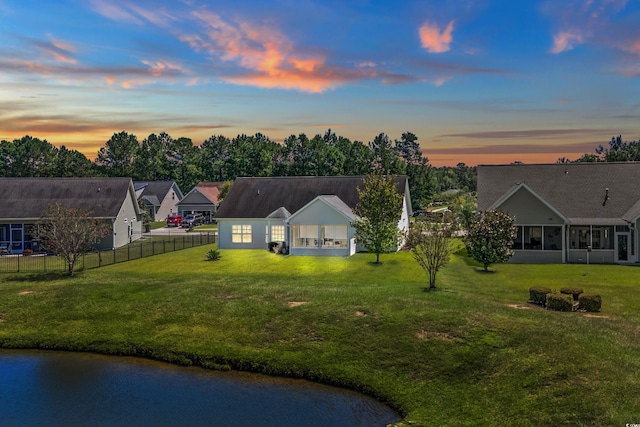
(477,81)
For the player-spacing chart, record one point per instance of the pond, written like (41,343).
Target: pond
(63,389)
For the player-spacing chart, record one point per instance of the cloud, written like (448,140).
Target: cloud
(582,147)
(598,22)
(530,134)
(266,58)
(566,40)
(131,13)
(433,40)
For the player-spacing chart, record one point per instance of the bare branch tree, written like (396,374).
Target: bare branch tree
(68,232)
(431,244)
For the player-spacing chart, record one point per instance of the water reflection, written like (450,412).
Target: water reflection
(63,389)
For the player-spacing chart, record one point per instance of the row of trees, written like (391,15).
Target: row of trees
(617,151)
(160,157)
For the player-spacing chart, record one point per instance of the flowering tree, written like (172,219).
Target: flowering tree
(490,237)
(68,232)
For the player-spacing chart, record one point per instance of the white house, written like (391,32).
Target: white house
(23,201)
(160,198)
(312,215)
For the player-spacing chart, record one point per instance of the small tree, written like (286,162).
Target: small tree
(490,237)
(379,211)
(68,232)
(431,245)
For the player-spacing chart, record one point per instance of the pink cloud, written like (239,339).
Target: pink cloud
(268,58)
(566,40)
(433,40)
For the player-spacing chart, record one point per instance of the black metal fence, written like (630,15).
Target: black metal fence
(139,249)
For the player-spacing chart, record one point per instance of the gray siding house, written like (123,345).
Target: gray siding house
(160,198)
(312,215)
(23,201)
(203,199)
(567,213)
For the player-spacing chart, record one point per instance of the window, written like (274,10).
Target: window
(533,238)
(334,236)
(305,235)
(277,233)
(241,233)
(517,242)
(552,238)
(602,237)
(580,237)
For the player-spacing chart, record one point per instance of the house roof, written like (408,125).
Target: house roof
(29,198)
(210,190)
(579,191)
(259,197)
(157,189)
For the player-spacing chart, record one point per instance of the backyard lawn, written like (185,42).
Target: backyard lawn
(472,352)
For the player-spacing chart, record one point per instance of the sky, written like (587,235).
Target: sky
(478,81)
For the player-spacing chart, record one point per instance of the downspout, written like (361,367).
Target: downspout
(565,238)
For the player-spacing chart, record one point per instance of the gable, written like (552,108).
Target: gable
(529,209)
(323,210)
(195,198)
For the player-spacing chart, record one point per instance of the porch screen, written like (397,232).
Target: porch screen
(305,235)
(334,236)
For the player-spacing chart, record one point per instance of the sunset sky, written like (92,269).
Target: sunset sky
(478,81)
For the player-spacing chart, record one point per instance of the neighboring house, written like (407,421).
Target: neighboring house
(202,199)
(312,215)
(26,200)
(159,198)
(567,213)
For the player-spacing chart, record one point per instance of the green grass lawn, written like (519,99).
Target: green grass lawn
(472,352)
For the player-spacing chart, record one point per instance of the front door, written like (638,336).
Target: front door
(16,238)
(623,249)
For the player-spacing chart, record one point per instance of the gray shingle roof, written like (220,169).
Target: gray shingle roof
(159,189)
(29,198)
(259,197)
(576,190)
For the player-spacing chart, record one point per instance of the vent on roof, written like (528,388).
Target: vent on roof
(606,196)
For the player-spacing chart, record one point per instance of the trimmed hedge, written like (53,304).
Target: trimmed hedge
(559,302)
(575,292)
(590,302)
(538,295)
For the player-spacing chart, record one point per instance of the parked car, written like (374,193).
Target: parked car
(192,220)
(174,221)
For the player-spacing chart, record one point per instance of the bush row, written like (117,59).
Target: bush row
(545,297)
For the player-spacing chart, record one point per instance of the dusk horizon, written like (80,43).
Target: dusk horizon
(479,82)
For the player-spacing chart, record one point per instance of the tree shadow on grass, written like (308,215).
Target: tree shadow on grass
(481,270)
(40,277)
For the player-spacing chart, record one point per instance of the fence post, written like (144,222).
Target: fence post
(114,255)
(141,244)
(18,263)
(128,252)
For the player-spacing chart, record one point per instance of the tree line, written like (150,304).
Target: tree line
(159,157)
(617,151)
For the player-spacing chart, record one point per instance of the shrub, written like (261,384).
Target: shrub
(27,252)
(559,302)
(213,255)
(575,292)
(590,302)
(538,294)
